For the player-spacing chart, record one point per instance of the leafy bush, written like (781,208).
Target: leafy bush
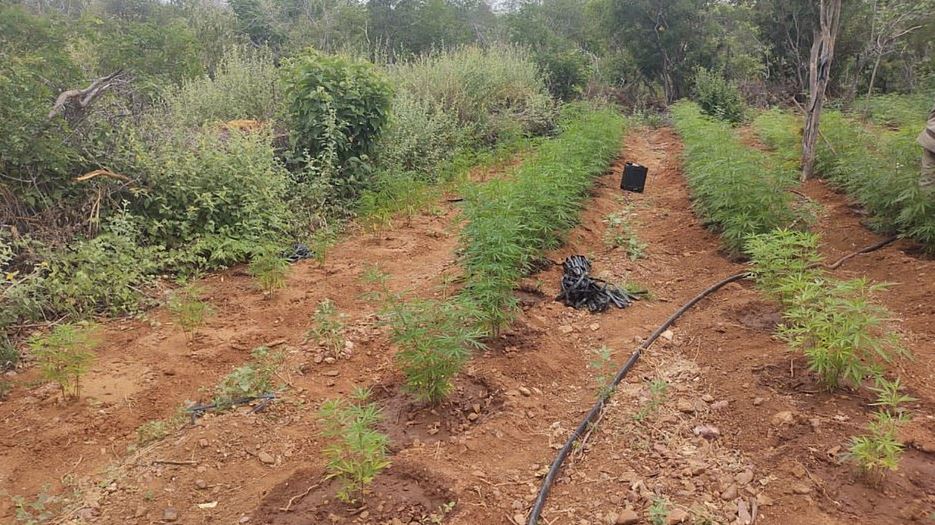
(188,310)
(212,200)
(419,137)
(151,431)
(838,327)
(245,85)
(391,196)
(491,92)
(65,354)
(357,451)
(566,71)
(269,269)
(358,95)
(253,379)
(736,189)
(716,96)
(510,222)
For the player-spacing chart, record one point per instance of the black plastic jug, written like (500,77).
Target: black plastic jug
(634,177)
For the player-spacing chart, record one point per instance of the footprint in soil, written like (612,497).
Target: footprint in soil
(406,420)
(404,491)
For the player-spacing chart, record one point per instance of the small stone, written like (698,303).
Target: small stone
(783,418)
(170,514)
(708,432)
(330,361)
(684,405)
(744,477)
(707,398)
(743,513)
(719,405)
(763,500)
(244,519)
(677,516)
(201,484)
(757,401)
(330,373)
(478,473)
(815,423)
(203,443)
(519,519)
(566,329)
(668,335)
(525,391)
(801,489)
(730,493)
(364,515)
(266,458)
(472,416)
(627,517)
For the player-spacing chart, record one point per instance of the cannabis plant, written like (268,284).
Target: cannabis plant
(602,364)
(879,449)
(189,311)
(619,234)
(328,329)
(659,511)
(251,380)
(269,269)
(658,389)
(356,451)
(65,354)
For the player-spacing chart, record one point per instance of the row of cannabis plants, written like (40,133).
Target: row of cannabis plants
(876,166)
(736,190)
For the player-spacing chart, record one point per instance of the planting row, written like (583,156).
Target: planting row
(878,168)
(737,190)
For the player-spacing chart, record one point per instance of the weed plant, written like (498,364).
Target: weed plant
(151,431)
(619,234)
(66,354)
(879,449)
(394,195)
(602,364)
(836,324)
(328,328)
(9,355)
(189,311)
(253,379)
(736,189)
(5,388)
(658,390)
(269,269)
(509,223)
(357,452)
(898,111)
(659,511)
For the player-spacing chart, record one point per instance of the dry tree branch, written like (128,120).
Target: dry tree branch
(84,97)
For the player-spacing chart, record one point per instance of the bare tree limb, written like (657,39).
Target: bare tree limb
(84,97)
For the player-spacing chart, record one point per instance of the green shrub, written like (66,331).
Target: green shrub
(358,95)
(188,310)
(393,195)
(419,137)
(212,200)
(9,355)
(896,110)
(65,354)
(844,335)
(781,132)
(566,71)
(716,96)
(328,328)
(492,92)
(736,189)
(269,269)
(151,431)
(253,379)
(245,85)
(357,452)
(510,222)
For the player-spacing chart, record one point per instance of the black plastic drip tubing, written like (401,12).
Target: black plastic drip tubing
(596,409)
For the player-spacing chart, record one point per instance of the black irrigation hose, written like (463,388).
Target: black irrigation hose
(596,409)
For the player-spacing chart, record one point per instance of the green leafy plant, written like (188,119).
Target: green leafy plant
(38,510)
(5,388)
(321,242)
(269,269)
(658,390)
(357,452)
(328,329)
(879,449)
(619,234)
(188,310)
(739,191)
(253,379)
(659,511)
(151,431)
(717,97)
(602,364)
(65,354)
(9,355)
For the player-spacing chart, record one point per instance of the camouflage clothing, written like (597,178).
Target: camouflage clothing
(927,141)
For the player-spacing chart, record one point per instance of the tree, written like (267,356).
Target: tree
(819,73)
(891,22)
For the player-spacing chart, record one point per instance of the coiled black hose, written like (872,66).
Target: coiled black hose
(596,409)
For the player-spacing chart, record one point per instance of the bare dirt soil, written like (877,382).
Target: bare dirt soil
(741,432)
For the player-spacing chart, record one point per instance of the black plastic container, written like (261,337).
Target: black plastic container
(634,177)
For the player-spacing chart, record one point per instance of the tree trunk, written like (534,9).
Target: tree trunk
(873,74)
(819,72)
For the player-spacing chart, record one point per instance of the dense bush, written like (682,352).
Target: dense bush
(566,71)
(491,92)
(418,138)
(511,221)
(716,96)
(734,187)
(339,91)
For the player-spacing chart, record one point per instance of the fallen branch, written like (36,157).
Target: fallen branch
(298,497)
(102,173)
(173,462)
(872,248)
(84,97)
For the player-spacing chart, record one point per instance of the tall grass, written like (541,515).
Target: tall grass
(510,222)
(877,168)
(737,189)
(896,110)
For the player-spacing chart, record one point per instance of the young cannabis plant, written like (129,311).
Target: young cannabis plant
(602,364)
(189,311)
(253,379)
(328,330)
(658,389)
(619,234)
(270,270)
(659,511)
(65,354)
(879,449)
(356,453)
